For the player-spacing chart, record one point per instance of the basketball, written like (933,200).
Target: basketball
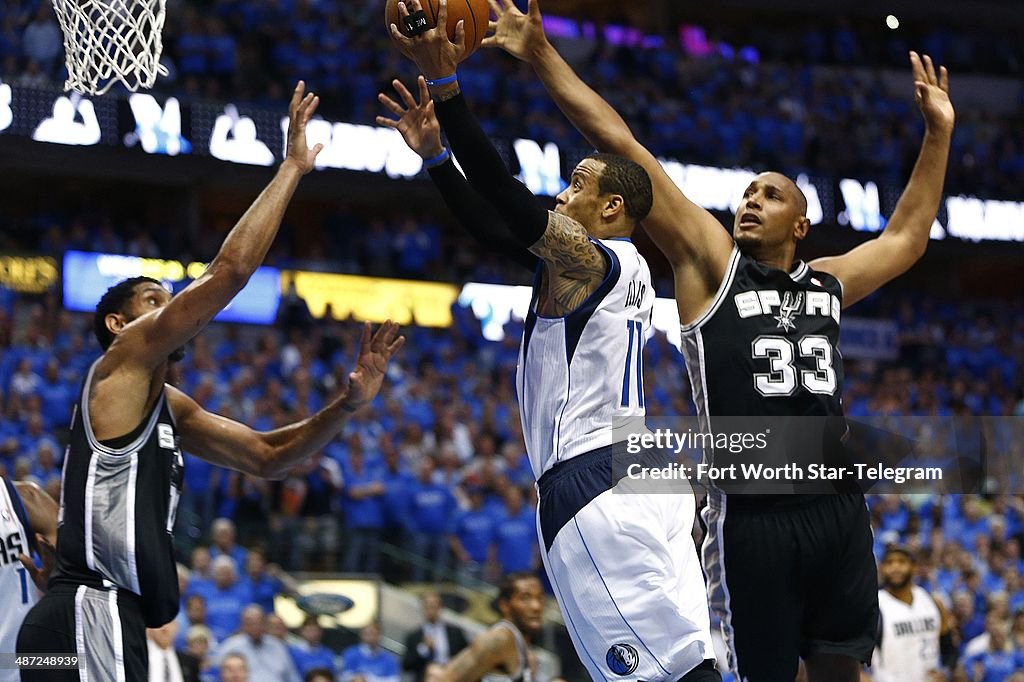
(475,13)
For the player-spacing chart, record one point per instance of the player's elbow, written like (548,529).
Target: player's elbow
(231,274)
(269,463)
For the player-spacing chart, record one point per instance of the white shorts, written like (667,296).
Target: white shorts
(625,571)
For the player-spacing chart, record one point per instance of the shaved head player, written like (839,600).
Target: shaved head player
(115,572)
(760,332)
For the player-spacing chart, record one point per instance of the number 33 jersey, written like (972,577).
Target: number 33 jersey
(579,372)
(768,345)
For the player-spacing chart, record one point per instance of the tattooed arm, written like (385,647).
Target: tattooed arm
(575,267)
(494,650)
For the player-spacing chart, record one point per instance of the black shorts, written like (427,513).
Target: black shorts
(705,672)
(791,580)
(106,626)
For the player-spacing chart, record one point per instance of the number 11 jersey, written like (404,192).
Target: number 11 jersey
(581,374)
(768,345)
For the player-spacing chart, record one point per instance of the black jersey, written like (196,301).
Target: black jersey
(768,345)
(117,507)
(767,349)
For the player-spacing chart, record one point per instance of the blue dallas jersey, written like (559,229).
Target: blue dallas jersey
(18,593)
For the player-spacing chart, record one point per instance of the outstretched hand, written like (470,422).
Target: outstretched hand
(417,121)
(521,35)
(931,92)
(432,51)
(374,354)
(300,111)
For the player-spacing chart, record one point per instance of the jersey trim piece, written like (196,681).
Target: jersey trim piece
(576,321)
(713,561)
(133,569)
(87,422)
(118,638)
(80,631)
(523,672)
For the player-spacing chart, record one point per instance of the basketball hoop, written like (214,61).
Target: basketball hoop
(111,41)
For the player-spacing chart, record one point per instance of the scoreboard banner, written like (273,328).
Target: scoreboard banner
(254,135)
(87,276)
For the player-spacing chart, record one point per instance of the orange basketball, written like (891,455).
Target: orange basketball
(476,14)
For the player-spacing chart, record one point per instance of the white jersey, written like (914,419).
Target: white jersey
(18,593)
(580,372)
(909,646)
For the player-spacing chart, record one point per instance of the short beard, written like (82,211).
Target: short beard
(889,582)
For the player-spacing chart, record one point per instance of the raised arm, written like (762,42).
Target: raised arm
(270,454)
(151,338)
(494,649)
(905,238)
(576,265)
(421,130)
(687,234)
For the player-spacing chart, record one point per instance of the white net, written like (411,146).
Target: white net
(110,41)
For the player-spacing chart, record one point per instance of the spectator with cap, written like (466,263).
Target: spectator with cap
(267,656)
(433,642)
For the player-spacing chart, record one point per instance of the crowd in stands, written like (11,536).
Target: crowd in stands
(724,108)
(437,467)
